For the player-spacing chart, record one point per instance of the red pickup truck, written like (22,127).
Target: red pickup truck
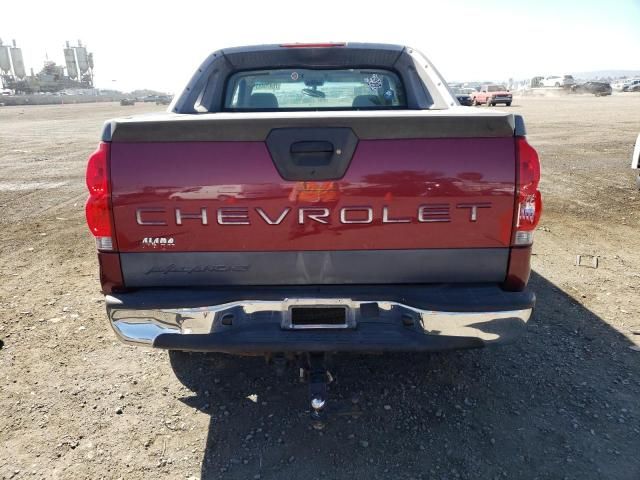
(491,95)
(303,200)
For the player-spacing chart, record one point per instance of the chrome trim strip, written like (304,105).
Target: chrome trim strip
(142,327)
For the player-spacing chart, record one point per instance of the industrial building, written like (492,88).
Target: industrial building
(77,73)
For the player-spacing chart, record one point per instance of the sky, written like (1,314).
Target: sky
(158,45)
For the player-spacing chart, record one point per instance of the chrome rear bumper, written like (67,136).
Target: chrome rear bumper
(252,325)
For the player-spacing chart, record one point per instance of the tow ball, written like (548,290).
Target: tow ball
(319,377)
(314,368)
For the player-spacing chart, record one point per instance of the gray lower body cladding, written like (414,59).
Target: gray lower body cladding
(182,269)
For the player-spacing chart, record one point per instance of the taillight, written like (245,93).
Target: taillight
(98,207)
(529,201)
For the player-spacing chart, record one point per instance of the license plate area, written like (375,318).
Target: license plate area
(318,316)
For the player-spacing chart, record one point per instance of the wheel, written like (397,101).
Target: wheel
(489,104)
(557,84)
(508,104)
(474,102)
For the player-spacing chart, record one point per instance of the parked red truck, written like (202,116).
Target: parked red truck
(304,200)
(492,95)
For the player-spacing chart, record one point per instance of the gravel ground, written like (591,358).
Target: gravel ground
(561,403)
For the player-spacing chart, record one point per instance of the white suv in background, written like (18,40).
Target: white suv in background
(632,85)
(558,81)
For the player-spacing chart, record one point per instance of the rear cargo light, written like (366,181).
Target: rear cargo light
(529,205)
(312,45)
(98,206)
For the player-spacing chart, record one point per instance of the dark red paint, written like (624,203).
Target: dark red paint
(399,174)
(519,269)
(110,272)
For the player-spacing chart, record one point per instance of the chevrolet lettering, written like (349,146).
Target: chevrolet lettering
(427,213)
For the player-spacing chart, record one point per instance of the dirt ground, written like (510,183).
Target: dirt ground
(564,402)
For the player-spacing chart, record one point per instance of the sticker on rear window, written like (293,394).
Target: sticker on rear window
(374,82)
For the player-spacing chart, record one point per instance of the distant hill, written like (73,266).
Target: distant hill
(146,93)
(610,74)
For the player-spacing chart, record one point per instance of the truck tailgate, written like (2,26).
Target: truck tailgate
(205,210)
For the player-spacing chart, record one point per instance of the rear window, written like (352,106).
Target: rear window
(306,89)
(496,88)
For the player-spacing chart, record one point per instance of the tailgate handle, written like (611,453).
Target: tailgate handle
(311,147)
(311,153)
